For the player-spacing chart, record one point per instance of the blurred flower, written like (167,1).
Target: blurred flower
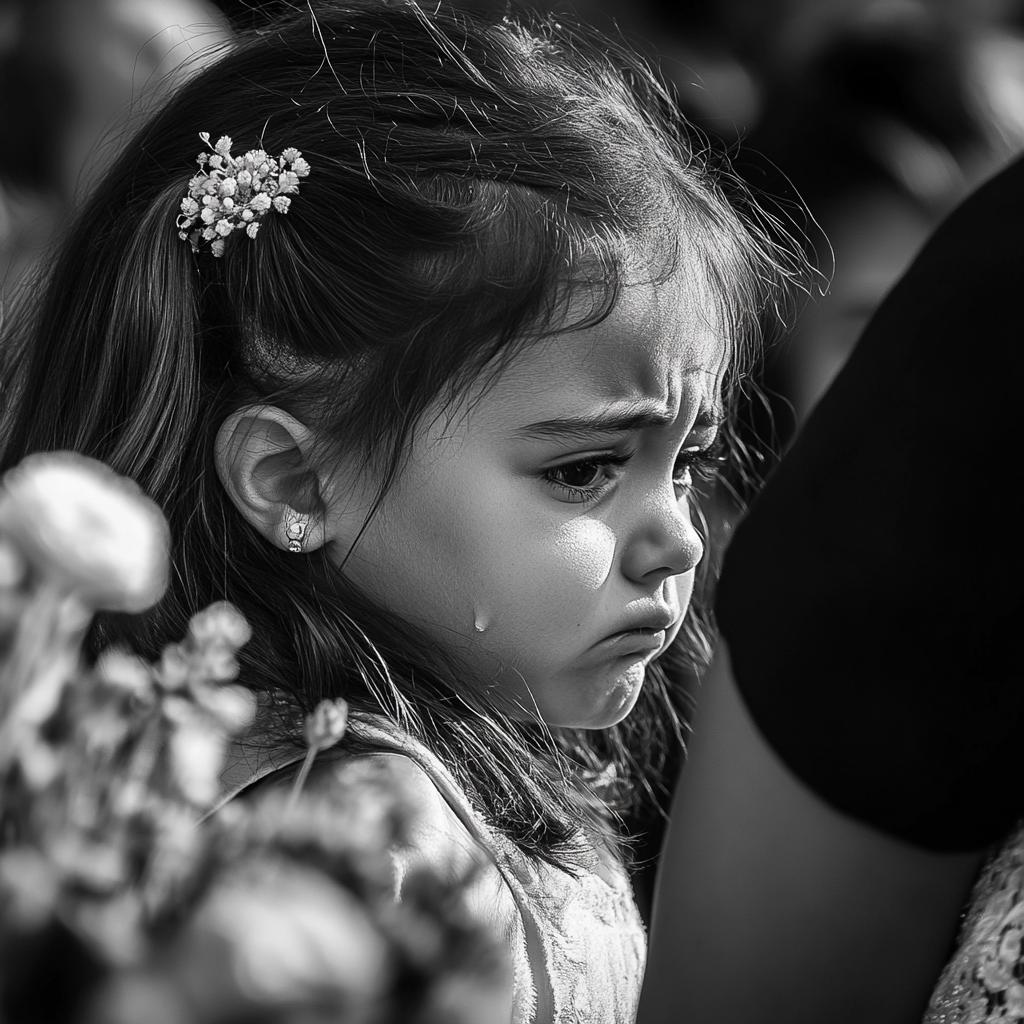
(92,532)
(322,729)
(293,932)
(12,565)
(125,671)
(326,725)
(220,623)
(29,885)
(113,888)
(1015,1001)
(197,747)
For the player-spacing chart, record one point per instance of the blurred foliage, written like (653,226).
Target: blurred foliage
(119,902)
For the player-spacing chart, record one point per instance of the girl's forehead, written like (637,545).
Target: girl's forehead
(658,348)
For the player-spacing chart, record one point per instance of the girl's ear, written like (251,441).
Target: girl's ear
(264,460)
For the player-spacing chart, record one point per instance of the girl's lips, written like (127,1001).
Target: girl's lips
(634,641)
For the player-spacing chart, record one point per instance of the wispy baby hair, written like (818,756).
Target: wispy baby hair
(467,174)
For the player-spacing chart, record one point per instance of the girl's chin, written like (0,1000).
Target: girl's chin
(614,703)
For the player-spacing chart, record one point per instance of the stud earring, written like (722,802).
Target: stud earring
(295,530)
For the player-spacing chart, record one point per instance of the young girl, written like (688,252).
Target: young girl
(421,360)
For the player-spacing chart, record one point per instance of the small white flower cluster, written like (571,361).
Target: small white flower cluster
(236,193)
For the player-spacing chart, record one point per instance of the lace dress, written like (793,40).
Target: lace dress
(577,943)
(984,981)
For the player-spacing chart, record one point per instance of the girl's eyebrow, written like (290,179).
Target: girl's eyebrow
(612,423)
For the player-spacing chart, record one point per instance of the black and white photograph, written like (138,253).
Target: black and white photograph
(502,511)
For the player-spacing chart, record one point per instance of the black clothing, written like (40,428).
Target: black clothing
(872,598)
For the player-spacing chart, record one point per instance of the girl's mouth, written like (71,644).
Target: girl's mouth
(634,641)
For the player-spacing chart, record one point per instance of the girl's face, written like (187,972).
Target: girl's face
(541,529)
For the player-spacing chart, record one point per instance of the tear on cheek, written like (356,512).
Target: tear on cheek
(587,547)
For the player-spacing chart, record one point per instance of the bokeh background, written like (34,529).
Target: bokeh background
(865,120)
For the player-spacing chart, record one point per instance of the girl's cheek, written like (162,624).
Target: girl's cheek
(684,592)
(587,548)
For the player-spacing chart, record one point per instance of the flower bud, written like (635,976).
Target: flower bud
(86,530)
(326,725)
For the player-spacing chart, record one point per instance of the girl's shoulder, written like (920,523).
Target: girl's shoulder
(379,765)
(570,936)
(437,833)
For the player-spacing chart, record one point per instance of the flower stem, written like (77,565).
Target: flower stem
(300,779)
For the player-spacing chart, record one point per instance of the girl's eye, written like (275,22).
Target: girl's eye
(703,463)
(587,478)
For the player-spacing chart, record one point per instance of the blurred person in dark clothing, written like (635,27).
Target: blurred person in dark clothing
(71,74)
(881,117)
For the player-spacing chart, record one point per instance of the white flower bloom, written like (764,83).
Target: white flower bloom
(174,667)
(294,931)
(87,529)
(239,190)
(197,755)
(326,725)
(205,136)
(215,663)
(105,729)
(232,707)
(125,671)
(220,622)
(30,886)
(40,763)
(12,565)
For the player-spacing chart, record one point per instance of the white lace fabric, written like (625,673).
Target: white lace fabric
(984,981)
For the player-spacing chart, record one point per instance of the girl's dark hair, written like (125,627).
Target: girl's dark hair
(464,175)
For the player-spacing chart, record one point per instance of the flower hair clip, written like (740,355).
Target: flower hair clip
(235,193)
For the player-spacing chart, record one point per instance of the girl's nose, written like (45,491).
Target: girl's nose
(664,541)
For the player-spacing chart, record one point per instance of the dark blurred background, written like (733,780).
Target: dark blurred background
(866,120)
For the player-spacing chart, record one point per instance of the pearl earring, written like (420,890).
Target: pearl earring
(295,530)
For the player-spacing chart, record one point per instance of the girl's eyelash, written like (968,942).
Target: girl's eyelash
(704,463)
(586,492)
